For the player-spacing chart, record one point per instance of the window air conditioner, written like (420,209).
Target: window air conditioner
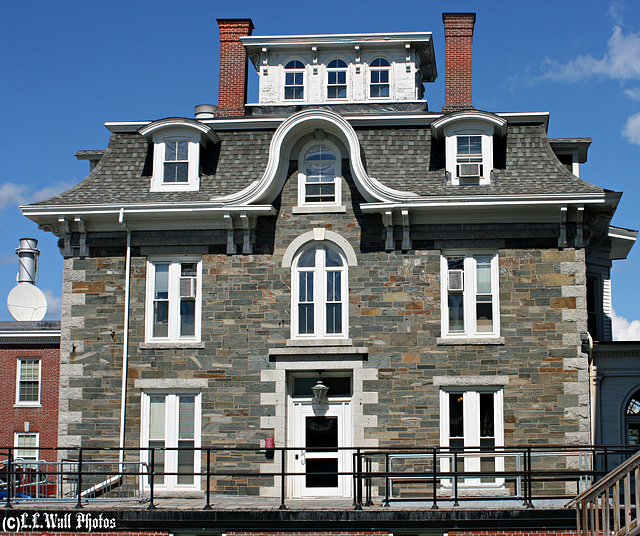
(456,280)
(469,170)
(187,287)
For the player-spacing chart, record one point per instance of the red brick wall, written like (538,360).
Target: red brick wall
(42,419)
(232,90)
(458,33)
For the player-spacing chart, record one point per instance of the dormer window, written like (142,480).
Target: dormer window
(176,153)
(337,79)
(469,165)
(469,137)
(294,80)
(379,70)
(319,179)
(176,161)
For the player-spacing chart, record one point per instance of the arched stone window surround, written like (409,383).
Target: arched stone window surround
(631,418)
(319,235)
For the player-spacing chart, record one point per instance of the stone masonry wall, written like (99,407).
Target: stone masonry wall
(394,311)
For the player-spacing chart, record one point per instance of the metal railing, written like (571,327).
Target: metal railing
(525,476)
(610,507)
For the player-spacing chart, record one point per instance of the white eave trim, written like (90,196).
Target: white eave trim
(146,208)
(487,201)
(40,336)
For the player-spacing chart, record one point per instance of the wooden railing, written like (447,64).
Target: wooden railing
(610,507)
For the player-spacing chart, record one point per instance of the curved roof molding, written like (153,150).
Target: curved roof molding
(269,186)
(319,235)
(439,125)
(206,132)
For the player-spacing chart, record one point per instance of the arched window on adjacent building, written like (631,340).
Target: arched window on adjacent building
(337,79)
(379,85)
(320,292)
(294,80)
(632,419)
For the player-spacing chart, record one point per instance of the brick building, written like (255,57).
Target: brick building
(279,288)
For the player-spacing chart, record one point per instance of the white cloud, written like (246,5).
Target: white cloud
(11,194)
(54,305)
(50,191)
(621,62)
(633,93)
(631,130)
(623,330)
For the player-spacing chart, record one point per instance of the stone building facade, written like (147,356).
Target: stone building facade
(431,269)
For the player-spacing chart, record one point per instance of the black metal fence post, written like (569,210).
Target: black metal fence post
(79,490)
(152,476)
(9,478)
(358,491)
(455,478)
(434,506)
(283,479)
(208,492)
(387,489)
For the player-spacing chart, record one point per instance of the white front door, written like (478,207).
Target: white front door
(317,431)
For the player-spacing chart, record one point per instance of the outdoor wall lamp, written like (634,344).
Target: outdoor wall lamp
(320,391)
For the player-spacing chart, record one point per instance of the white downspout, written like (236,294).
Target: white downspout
(125,341)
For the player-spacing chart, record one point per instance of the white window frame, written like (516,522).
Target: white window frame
(469,293)
(471,424)
(319,293)
(302,176)
(173,299)
(372,69)
(343,69)
(469,128)
(19,364)
(298,70)
(17,447)
(171,436)
(160,139)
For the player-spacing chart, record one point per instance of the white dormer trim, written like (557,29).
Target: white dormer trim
(188,131)
(466,126)
(293,128)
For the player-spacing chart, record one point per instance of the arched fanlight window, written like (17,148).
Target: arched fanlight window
(632,419)
(320,290)
(337,79)
(319,182)
(379,85)
(294,80)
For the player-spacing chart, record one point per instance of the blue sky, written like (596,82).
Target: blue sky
(70,66)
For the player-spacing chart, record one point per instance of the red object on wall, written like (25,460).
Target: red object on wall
(269,443)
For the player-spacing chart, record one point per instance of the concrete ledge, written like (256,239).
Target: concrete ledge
(319,342)
(170,345)
(446,381)
(319,350)
(469,341)
(319,210)
(175,383)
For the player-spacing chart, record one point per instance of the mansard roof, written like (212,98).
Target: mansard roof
(401,157)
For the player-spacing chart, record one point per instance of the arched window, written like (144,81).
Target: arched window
(337,79)
(320,173)
(632,419)
(294,80)
(379,86)
(320,291)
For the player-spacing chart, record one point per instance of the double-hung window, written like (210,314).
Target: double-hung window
(379,71)
(471,426)
(319,182)
(337,79)
(176,161)
(470,298)
(320,293)
(294,80)
(171,426)
(173,300)
(28,381)
(469,165)
(26,445)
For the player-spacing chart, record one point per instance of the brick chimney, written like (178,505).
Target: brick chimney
(232,90)
(458,34)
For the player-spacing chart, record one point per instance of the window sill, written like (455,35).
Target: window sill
(170,345)
(314,348)
(328,209)
(319,342)
(469,341)
(25,405)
